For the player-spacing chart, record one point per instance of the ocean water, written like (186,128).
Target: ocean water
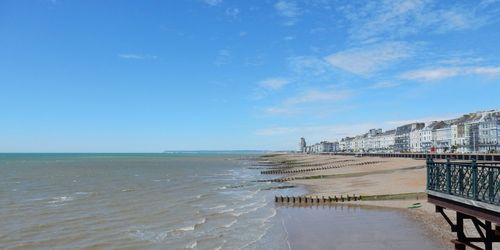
(148,201)
(152,201)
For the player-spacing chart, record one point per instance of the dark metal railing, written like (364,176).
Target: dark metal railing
(470,180)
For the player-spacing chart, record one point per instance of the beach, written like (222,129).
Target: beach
(208,201)
(383,183)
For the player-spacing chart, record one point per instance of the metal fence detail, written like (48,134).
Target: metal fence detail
(470,180)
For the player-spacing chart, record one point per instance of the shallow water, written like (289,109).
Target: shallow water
(156,201)
(352,227)
(136,201)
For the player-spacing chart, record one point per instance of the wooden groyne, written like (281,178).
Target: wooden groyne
(312,164)
(282,171)
(283,165)
(315,200)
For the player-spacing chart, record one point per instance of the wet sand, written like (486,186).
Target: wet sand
(354,227)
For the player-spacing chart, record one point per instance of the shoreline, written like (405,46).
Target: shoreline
(353,180)
(432,224)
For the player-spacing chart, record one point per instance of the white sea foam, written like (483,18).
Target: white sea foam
(286,234)
(61,199)
(217,207)
(248,205)
(193,227)
(237,214)
(249,196)
(265,219)
(185,229)
(230,224)
(226,211)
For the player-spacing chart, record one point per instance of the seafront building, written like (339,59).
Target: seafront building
(474,132)
(302,145)
(322,147)
(402,142)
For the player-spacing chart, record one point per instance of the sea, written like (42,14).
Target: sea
(194,200)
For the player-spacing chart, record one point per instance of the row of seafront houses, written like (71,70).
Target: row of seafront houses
(474,132)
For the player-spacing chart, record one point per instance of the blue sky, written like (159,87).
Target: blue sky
(148,76)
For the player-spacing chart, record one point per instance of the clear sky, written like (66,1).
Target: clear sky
(148,76)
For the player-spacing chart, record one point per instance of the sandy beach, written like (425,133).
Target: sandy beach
(387,183)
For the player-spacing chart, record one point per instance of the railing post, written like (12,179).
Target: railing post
(474,179)
(461,179)
(448,176)
(491,186)
(429,172)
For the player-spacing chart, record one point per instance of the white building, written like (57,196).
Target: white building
(460,138)
(415,140)
(473,132)
(443,139)
(426,139)
(489,135)
(402,138)
(387,140)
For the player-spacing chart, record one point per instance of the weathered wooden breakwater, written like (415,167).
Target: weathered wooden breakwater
(283,171)
(308,164)
(315,200)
